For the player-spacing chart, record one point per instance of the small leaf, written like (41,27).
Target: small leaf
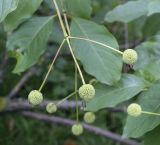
(7,6)
(107,96)
(128,12)
(31,40)
(99,61)
(149,101)
(24,11)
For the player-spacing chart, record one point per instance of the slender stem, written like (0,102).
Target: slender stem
(76,83)
(96,42)
(51,66)
(67,25)
(151,113)
(67,39)
(64,99)
(75,60)
(60,18)
(65,17)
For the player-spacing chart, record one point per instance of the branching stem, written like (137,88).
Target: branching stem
(66,98)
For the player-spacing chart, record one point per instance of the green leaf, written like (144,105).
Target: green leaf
(148,51)
(99,61)
(151,72)
(24,11)
(152,137)
(7,6)
(79,8)
(128,12)
(31,40)
(151,26)
(153,7)
(149,101)
(107,96)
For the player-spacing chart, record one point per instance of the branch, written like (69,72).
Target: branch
(19,85)
(21,104)
(63,121)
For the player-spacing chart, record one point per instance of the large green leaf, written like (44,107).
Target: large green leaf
(153,7)
(99,61)
(149,101)
(151,72)
(107,96)
(152,137)
(151,26)
(31,40)
(132,10)
(148,52)
(79,8)
(24,10)
(7,6)
(128,11)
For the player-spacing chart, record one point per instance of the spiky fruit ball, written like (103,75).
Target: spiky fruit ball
(87,92)
(77,129)
(89,117)
(35,97)
(51,108)
(134,110)
(130,56)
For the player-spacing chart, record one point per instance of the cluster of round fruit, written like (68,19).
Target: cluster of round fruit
(86,92)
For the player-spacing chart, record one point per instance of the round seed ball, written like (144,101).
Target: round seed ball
(77,129)
(134,110)
(87,92)
(35,97)
(51,108)
(130,56)
(89,117)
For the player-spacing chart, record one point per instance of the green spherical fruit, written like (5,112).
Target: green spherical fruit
(134,110)
(35,97)
(89,117)
(87,92)
(130,56)
(77,129)
(51,107)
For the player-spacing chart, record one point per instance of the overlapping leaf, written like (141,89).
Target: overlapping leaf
(107,96)
(31,40)
(149,101)
(24,10)
(148,51)
(7,6)
(79,8)
(152,137)
(128,11)
(132,10)
(99,61)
